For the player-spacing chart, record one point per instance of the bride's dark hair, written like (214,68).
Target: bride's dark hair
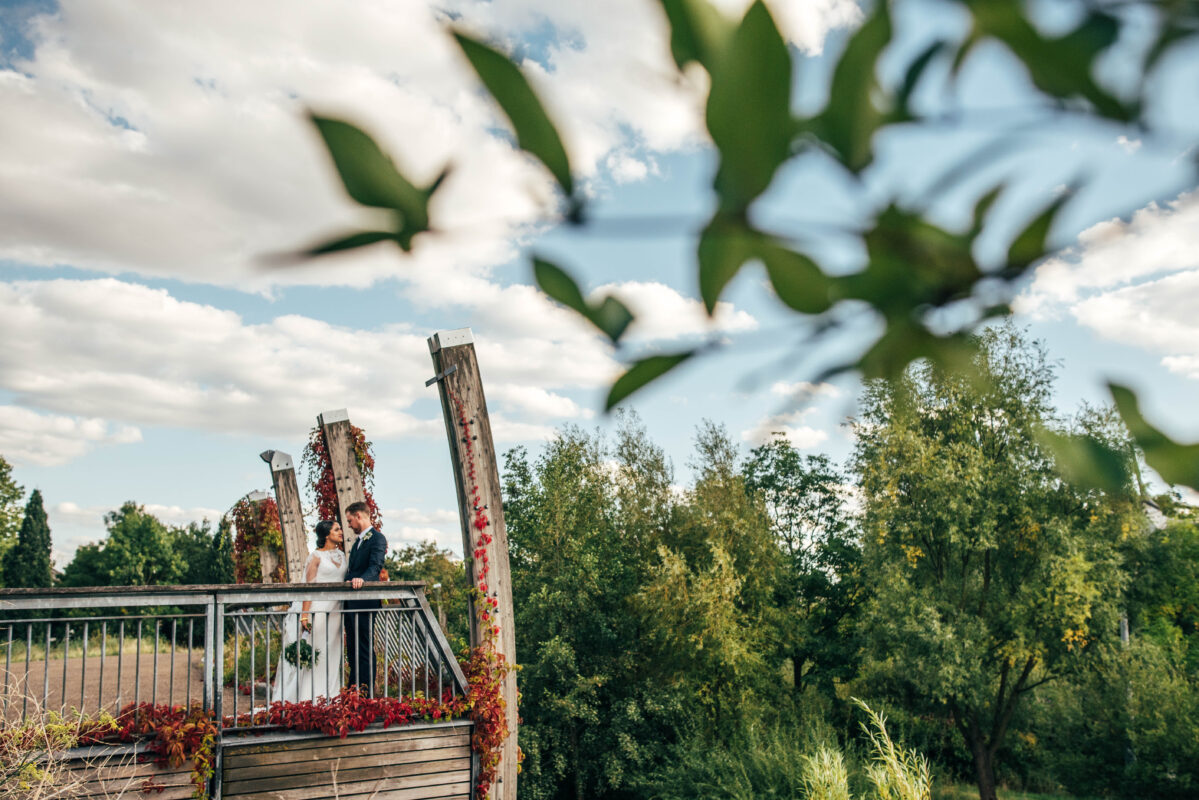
(322,532)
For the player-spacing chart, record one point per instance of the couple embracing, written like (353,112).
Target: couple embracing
(324,623)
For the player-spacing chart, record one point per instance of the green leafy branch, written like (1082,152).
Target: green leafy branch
(915,269)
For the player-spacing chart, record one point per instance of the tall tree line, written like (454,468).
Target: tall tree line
(699,640)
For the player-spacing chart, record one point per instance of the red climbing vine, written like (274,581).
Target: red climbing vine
(487,667)
(322,487)
(257,526)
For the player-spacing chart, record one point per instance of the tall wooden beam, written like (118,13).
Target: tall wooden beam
(476,473)
(267,556)
(335,427)
(291,516)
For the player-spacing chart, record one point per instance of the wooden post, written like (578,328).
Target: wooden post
(335,427)
(476,473)
(267,557)
(291,516)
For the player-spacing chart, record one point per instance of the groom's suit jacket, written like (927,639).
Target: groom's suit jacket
(366,561)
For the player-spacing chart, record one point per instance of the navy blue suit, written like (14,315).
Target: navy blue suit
(366,560)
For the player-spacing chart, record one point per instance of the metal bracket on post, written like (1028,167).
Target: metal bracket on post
(441,376)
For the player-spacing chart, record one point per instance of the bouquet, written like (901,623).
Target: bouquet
(301,654)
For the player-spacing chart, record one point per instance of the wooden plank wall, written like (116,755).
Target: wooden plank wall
(411,763)
(118,773)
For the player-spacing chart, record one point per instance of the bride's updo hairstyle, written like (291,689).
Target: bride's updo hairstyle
(322,532)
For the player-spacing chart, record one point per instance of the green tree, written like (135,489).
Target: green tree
(990,574)
(194,545)
(585,521)
(138,551)
(221,552)
(27,563)
(445,579)
(11,512)
(707,607)
(820,590)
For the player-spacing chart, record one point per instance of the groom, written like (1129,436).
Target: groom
(366,560)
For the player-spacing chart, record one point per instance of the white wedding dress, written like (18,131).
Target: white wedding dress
(294,684)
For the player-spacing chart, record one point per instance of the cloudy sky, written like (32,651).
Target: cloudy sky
(153,156)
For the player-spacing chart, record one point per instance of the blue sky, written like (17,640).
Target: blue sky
(150,158)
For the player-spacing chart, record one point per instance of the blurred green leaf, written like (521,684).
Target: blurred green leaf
(1086,461)
(905,341)
(698,32)
(1061,67)
(913,264)
(850,119)
(371,179)
(1029,244)
(535,133)
(911,78)
(981,207)
(1176,463)
(797,280)
(367,172)
(728,243)
(350,241)
(610,315)
(641,373)
(724,246)
(749,108)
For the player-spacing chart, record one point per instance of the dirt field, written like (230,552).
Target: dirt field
(90,688)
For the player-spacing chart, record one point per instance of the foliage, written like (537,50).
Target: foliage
(257,526)
(27,563)
(820,591)
(897,773)
(322,486)
(426,562)
(301,654)
(140,550)
(11,512)
(990,574)
(487,668)
(921,280)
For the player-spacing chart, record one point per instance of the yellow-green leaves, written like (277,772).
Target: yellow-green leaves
(641,373)
(1176,463)
(749,108)
(609,315)
(535,133)
(372,179)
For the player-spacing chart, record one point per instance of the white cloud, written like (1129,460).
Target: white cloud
(45,440)
(662,313)
(73,525)
(1157,240)
(1129,146)
(197,165)
(1133,282)
(787,425)
(803,391)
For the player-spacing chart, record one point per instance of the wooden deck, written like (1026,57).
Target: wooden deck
(409,763)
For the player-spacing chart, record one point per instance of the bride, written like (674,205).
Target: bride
(319,628)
